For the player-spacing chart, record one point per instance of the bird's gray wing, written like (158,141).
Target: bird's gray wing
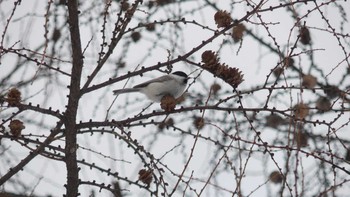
(125,90)
(157,80)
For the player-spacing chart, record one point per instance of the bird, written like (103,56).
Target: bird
(173,84)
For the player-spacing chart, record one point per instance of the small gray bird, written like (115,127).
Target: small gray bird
(173,84)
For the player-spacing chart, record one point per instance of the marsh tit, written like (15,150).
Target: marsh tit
(173,84)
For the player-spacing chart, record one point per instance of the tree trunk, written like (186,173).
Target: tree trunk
(73,102)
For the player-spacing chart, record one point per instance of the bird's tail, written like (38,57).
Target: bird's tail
(125,90)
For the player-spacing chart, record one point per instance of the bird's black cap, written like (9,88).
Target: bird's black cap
(180,73)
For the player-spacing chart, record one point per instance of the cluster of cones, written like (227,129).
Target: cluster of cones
(231,75)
